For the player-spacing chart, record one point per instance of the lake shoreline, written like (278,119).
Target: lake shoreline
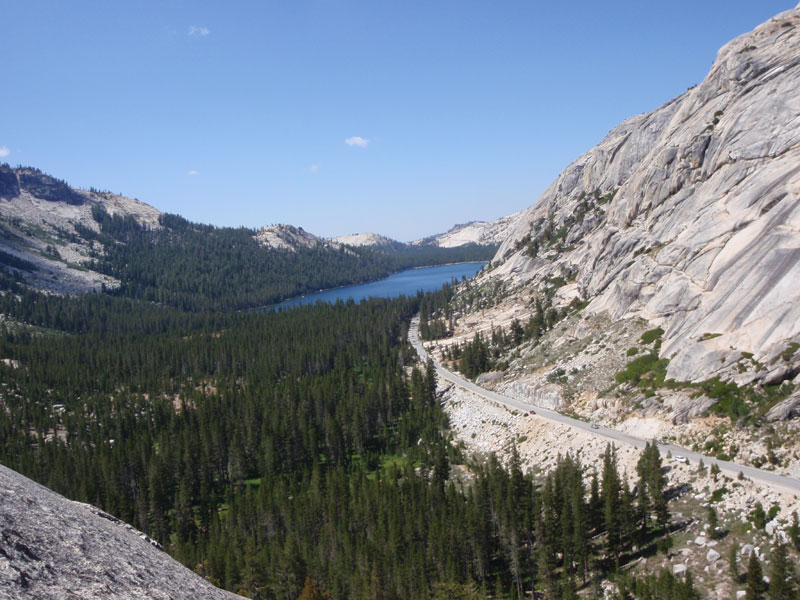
(296,301)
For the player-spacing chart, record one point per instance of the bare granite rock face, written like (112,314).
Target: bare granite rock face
(484,233)
(53,548)
(289,237)
(42,226)
(689,218)
(786,409)
(369,240)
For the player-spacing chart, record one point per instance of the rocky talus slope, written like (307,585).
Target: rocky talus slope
(688,217)
(51,547)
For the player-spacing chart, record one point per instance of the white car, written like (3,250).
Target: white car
(681,459)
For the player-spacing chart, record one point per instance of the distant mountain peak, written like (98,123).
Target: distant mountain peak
(368,239)
(484,233)
(290,237)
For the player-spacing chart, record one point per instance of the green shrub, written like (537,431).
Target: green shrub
(557,376)
(651,335)
(631,351)
(718,494)
(647,371)
(758,517)
(790,351)
(709,336)
(773,512)
(729,397)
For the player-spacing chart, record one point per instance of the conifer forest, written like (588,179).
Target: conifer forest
(303,453)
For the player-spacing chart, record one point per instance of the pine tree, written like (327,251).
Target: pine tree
(441,467)
(290,567)
(611,505)
(569,591)
(733,563)
(781,586)
(713,523)
(652,483)
(595,508)
(794,531)
(545,540)
(312,591)
(758,516)
(254,573)
(628,515)
(755,587)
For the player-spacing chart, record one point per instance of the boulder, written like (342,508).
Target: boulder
(771,527)
(545,396)
(712,556)
(489,377)
(786,409)
(679,570)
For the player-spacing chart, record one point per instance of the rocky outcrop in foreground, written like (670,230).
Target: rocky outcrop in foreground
(51,547)
(689,218)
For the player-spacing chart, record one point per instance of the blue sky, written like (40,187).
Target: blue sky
(402,118)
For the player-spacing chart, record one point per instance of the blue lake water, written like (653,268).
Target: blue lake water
(403,283)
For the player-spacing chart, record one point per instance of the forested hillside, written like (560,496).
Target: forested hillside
(272,451)
(67,240)
(197,267)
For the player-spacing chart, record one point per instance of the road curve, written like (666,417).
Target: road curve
(786,484)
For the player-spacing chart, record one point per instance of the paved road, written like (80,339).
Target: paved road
(773,479)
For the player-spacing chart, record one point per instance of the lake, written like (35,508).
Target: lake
(403,283)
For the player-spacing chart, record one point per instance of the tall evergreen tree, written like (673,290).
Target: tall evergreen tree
(612,504)
(781,580)
(754,585)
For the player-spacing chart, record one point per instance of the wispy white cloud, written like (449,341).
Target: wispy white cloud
(313,168)
(4,151)
(192,172)
(198,31)
(357,140)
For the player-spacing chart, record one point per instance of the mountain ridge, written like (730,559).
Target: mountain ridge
(54,236)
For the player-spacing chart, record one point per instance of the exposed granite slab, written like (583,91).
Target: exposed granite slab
(689,217)
(53,548)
